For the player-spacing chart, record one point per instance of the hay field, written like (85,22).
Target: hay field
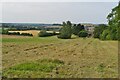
(34,32)
(51,57)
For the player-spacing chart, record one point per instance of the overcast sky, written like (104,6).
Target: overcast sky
(52,12)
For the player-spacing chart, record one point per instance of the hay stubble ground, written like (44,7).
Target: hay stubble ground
(83,58)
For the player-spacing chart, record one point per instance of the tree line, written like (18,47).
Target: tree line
(68,29)
(15,33)
(112,30)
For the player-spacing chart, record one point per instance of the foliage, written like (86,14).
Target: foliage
(113,22)
(13,33)
(99,29)
(110,32)
(77,28)
(104,34)
(4,31)
(66,30)
(55,33)
(83,33)
(18,33)
(26,34)
(43,33)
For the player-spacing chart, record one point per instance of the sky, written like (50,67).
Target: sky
(56,12)
(59,0)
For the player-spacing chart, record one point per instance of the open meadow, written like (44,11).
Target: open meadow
(63,39)
(50,57)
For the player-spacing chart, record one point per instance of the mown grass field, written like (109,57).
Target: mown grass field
(50,57)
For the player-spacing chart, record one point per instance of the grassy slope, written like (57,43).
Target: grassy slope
(32,40)
(81,57)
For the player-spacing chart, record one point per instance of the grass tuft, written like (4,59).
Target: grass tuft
(40,66)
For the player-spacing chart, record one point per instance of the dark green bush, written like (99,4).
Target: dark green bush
(4,31)
(76,28)
(26,34)
(43,33)
(104,35)
(65,36)
(22,34)
(98,30)
(13,33)
(83,33)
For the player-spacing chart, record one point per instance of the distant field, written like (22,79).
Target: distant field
(50,57)
(34,32)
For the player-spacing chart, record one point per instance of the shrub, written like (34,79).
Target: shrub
(63,36)
(4,31)
(83,33)
(99,29)
(104,35)
(108,37)
(13,33)
(55,33)
(43,33)
(26,34)
(76,28)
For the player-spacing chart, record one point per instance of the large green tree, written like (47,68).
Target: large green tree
(77,28)
(66,30)
(114,24)
(112,32)
(83,33)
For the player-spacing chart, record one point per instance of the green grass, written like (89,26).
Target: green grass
(18,39)
(40,66)
(101,67)
(32,39)
(51,39)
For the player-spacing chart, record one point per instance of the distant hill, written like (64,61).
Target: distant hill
(30,26)
(26,24)
(88,24)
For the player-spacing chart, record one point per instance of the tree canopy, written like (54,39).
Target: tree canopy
(66,30)
(112,31)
